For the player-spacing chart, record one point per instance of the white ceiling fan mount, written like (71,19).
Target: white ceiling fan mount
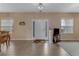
(40,7)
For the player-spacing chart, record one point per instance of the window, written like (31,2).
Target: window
(67,25)
(6,25)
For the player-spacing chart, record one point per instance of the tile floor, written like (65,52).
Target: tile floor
(72,48)
(29,48)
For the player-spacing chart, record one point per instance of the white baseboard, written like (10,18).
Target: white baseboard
(21,39)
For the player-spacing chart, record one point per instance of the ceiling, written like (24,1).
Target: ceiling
(33,7)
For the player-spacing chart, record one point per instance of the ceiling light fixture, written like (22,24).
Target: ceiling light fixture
(40,6)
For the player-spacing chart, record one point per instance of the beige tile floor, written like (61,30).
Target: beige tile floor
(29,48)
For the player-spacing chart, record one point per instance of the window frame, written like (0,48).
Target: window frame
(11,26)
(67,18)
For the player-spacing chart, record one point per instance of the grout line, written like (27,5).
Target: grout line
(65,50)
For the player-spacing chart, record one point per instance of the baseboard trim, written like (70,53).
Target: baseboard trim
(69,40)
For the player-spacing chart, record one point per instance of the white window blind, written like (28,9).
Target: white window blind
(67,25)
(6,25)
